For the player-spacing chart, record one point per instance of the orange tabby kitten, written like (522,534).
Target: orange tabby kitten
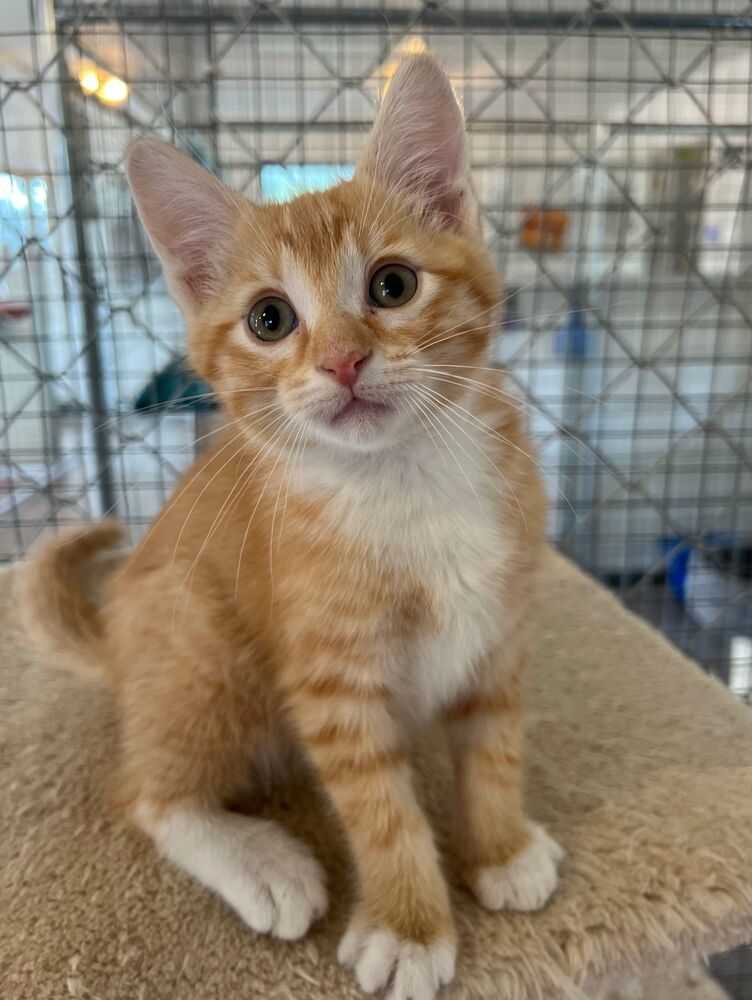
(354,558)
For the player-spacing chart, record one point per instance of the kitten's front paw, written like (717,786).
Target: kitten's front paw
(281,893)
(409,970)
(524,883)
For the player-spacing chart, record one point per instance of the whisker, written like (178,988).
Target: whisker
(232,497)
(300,452)
(436,337)
(540,325)
(482,425)
(565,433)
(258,501)
(183,488)
(241,433)
(488,459)
(469,319)
(282,481)
(499,370)
(431,408)
(414,404)
(514,402)
(191,444)
(423,347)
(175,405)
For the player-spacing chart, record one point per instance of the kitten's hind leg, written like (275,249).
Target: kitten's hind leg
(197,724)
(267,876)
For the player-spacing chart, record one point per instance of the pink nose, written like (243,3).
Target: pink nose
(345,368)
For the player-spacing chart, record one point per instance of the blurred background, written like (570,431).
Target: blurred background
(611,145)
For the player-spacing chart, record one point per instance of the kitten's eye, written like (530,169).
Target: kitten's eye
(272,319)
(392,285)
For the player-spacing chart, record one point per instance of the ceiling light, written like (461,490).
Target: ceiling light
(113,91)
(89,81)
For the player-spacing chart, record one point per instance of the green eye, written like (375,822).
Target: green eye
(272,319)
(392,285)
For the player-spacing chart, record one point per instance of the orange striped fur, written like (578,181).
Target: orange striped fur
(319,586)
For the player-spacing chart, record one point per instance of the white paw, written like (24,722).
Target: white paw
(280,894)
(411,971)
(268,877)
(527,881)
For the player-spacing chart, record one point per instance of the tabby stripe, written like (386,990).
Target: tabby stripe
(336,646)
(497,758)
(338,732)
(349,768)
(492,703)
(385,829)
(336,687)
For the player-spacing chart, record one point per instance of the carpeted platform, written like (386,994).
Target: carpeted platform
(640,765)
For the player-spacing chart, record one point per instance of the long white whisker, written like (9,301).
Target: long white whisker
(282,482)
(232,497)
(417,407)
(491,390)
(507,442)
(173,406)
(191,444)
(224,465)
(476,421)
(260,498)
(300,446)
(483,425)
(485,455)
(469,319)
(437,337)
(441,376)
(433,414)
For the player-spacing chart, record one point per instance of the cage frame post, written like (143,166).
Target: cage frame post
(79,168)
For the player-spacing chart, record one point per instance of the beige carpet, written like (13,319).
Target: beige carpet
(639,764)
(684,984)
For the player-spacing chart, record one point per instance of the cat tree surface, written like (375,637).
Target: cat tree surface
(638,763)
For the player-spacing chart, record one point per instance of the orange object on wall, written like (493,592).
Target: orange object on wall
(543,228)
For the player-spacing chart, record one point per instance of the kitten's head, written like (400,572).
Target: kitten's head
(336,315)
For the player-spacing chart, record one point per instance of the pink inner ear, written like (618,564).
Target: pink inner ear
(418,141)
(188,214)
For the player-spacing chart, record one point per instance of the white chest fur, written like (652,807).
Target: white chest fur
(438,521)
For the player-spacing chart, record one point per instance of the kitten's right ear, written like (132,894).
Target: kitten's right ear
(417,143)
(188,214)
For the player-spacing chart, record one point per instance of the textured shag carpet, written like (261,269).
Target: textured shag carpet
(639,764)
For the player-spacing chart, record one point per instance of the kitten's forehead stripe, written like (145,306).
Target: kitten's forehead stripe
(351,274)
(301,287)
(329,274)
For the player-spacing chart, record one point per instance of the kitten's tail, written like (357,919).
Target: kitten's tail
(56,610)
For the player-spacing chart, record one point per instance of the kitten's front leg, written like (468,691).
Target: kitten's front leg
(508,861)
(401,935)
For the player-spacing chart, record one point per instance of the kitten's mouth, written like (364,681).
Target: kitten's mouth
(357,408)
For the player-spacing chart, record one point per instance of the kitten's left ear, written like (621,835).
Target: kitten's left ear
(189,216)
(418,144)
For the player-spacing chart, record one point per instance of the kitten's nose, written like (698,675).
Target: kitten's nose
(345,368)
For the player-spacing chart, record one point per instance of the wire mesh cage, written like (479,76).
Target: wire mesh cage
(611,145)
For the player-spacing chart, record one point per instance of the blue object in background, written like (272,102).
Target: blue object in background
(282,182)
(572,339)
(175,387)
(680,553)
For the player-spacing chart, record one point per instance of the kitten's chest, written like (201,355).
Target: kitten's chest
(461,574)
(439,534)
(452,553)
